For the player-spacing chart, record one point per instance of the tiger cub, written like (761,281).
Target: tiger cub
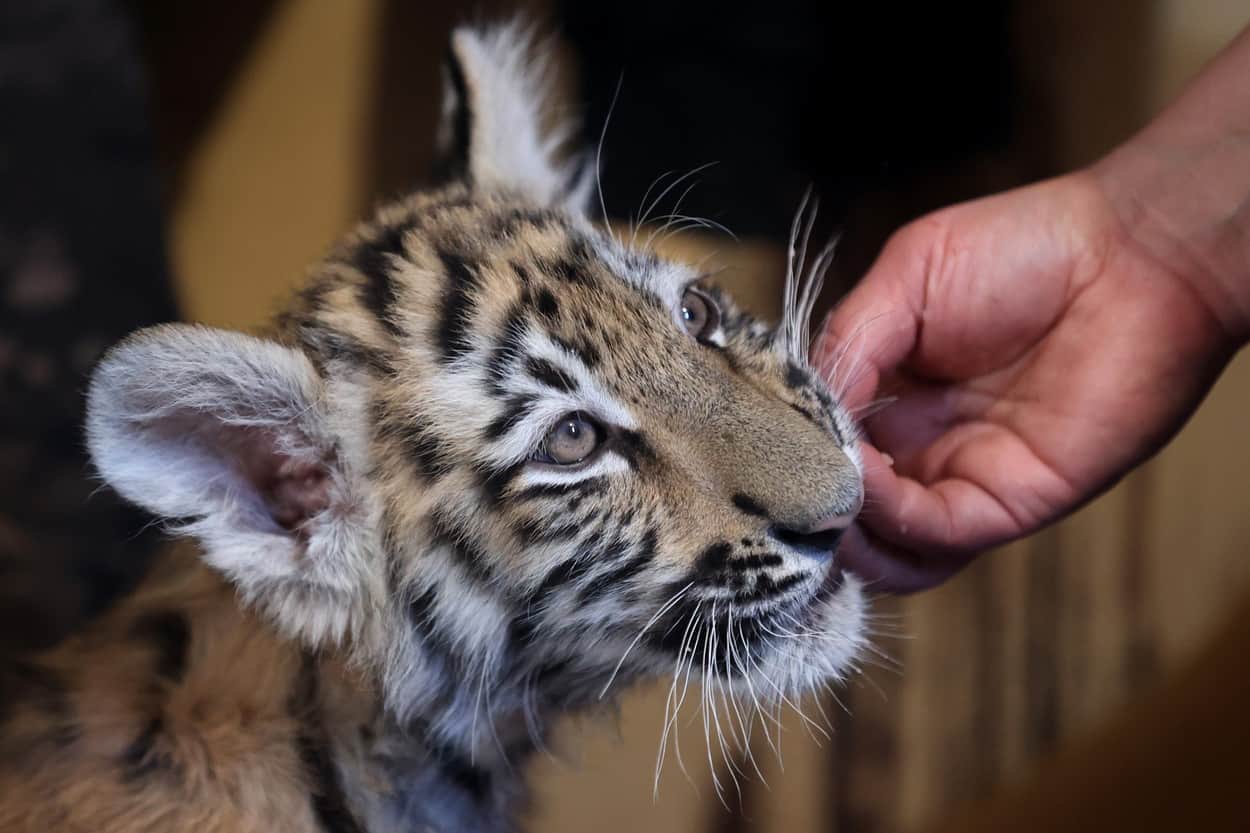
(490,466)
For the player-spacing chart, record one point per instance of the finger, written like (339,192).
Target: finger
(848,363)
(918,414)
(890,569)
(950,516)
(876,326)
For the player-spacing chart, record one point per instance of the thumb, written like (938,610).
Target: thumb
(876,327)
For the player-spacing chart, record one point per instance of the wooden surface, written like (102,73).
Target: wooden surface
(1058,655)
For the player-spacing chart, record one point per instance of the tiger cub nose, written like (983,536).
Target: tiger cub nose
(822,537)
(839,521)
(827,531)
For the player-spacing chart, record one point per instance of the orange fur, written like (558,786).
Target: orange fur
(226,757)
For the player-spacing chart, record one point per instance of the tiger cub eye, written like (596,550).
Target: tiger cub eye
(699,314)
(572,440)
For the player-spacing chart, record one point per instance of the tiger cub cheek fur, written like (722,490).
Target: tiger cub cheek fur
(374,473)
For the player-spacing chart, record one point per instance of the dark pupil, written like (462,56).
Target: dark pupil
(693,313)
(572,429)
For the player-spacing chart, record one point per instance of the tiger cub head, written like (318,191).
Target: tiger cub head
(492,447)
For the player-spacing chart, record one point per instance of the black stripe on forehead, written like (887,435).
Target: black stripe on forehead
(509,347)
(510,221)
(548,374)
(324,344)
(427,451)
(567,270)
(585,352)
(515,409)
(573,266)
(547,305)
(523,277)
(420,444)
(458,305)
(375,259)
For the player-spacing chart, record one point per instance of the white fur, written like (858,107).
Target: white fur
(665,279)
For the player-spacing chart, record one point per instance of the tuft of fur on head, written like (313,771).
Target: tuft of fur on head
(496,99)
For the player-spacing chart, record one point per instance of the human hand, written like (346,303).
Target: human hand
(1037,353)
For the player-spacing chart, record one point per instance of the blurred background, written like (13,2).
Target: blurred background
(189,160)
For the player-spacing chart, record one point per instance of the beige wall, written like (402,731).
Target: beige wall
(1188,33)
(280,172)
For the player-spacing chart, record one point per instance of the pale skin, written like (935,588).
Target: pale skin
(1043,342)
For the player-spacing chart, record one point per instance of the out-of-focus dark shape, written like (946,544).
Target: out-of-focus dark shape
(789,94)
(194,50)
(82,263)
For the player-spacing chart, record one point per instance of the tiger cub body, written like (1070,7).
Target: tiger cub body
(490,466)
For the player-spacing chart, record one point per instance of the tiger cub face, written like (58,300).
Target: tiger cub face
(501,456)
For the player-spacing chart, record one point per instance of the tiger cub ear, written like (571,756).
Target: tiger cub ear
(226,438)
(497,130)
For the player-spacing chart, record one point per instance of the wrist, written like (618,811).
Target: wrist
(1187,209)
(1180,189)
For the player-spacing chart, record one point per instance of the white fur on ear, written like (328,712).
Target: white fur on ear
(496,93)
(225,436)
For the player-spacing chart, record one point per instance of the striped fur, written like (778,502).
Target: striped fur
(393,600)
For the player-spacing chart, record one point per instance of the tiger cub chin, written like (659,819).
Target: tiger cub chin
(490,466)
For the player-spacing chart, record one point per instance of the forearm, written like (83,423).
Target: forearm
(1182,187)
